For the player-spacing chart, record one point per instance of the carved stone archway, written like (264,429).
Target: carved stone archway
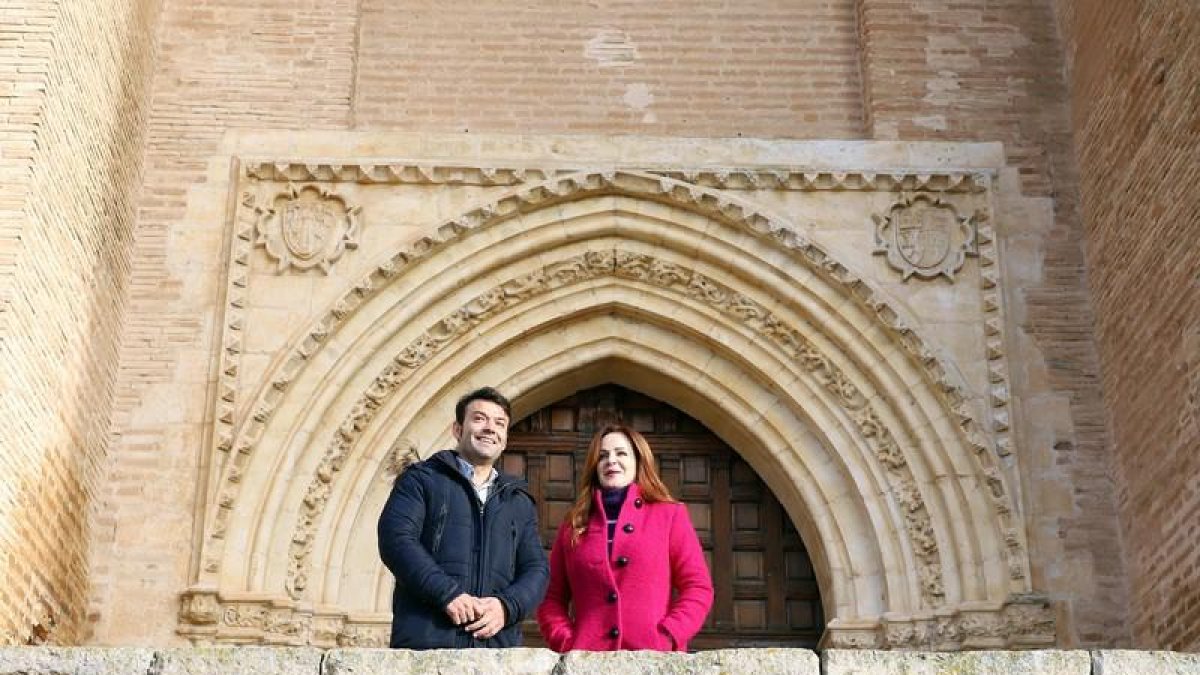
(881,451)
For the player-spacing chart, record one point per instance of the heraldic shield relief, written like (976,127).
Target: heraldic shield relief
(924,236)
(307,227)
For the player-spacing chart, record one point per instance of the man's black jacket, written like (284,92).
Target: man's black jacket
(438,543)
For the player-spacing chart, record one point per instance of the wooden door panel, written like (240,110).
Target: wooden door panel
(765,591)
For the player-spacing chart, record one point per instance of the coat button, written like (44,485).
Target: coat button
(628,527)
(637,503)
(612,596)
(622,561)
(614,633)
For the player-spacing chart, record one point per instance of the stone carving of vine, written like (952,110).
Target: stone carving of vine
(489,303)
(1022,622)
(662,274)
(676,278)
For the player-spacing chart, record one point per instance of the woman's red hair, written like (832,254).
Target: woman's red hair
(651,485)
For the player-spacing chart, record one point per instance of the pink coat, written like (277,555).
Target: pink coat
(625,602)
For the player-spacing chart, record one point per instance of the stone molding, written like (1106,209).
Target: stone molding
(208,617)
(726,178)
(1023,622)
(235,438)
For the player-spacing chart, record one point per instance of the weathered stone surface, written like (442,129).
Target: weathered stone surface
(74,660)
(721,662)
(464,662)
(308,661)
(780,661)
(229,660)
(1129,662)
(868,662)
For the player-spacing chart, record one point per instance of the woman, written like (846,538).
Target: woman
(621,550)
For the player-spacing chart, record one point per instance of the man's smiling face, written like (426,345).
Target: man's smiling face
(483,434)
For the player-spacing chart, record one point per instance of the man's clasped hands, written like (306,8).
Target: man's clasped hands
(482,617)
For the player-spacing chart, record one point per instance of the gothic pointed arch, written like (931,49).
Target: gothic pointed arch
(863,427)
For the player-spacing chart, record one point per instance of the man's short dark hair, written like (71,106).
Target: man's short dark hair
(481,394)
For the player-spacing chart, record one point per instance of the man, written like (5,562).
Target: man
(461,539)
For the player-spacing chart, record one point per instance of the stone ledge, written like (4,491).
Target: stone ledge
(868,662)
(468,662)
(311,661)
(1129,662)
(79,660)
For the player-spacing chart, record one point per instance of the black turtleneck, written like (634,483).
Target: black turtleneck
(613,499)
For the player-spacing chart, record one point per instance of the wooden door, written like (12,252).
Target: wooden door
(766,593)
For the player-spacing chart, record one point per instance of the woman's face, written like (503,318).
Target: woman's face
(618,463)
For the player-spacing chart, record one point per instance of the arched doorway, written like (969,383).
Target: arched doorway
(865,428)
(766,591)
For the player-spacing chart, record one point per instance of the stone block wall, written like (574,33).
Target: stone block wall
(1135,74)
(72,101)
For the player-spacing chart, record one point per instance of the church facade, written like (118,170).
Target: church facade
(888,286)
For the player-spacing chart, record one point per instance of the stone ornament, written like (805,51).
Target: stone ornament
(925,236)
(208,618)
(587,266)
(1021,622)
(639,267)
(307,227)
(401,455)
(728,178)
(205,620)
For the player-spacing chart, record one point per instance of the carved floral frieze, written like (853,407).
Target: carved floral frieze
(265,621)
(1024,622)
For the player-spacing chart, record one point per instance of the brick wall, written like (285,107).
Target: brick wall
(993,70)
(1135,93)
(757,68)
(224,64)
(71,122)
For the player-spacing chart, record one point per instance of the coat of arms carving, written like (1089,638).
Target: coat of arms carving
(306,227)
(925,236)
